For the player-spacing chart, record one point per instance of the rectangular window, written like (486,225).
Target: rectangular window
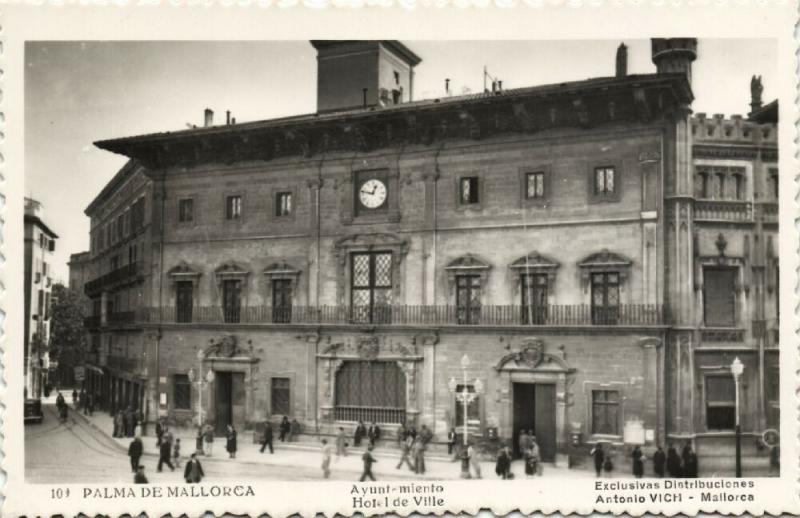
(137,214)
(184,301)
(534,185)
(51,246)
(281,301)
(720,402)
(473,411)
(40,303)
(719,186)
(181,392)
(283,204)
(701,184)
(47,305)
(371,286)
(468,299)
(738,186)
(279,396)
(186,210)
(604,181)
(469,190)
(233,207)
(231,300)
(605,412)
(773,183)
(605,298)
(719,298)
(534,298)
(114,262)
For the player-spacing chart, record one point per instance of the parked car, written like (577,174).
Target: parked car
(33,411)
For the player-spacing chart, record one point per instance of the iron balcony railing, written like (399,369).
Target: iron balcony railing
(368,414)
(120,275)
(554,315)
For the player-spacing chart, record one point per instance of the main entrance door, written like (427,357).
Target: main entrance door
(534,408)
(229,400)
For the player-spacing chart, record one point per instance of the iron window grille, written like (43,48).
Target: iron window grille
(605,412)
(371,287)
(181,392)
(370,391)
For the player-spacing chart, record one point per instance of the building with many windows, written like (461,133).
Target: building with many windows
(338,266)
(40,243)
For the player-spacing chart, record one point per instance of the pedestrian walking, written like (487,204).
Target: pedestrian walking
(230,441)
(373,433)
(294,429)
(164,454)
(359,433)
(418,452)
(524,441)
(176,453)
(405,452)
(208,440)
(673,462)
(401,435)
(426,435)
(139,477)
(689,459)
(638,462)
(64,414)
(266,440)
(118,425)
(608,464)
(536,455)
(135,450)
(193,472)
(327,451)
(472,461)
(341,443)
(659,461)
(451,441)
(75,399)
(284,429)
(368,460)
(89,405)
(502,466)
(159,432)
(599,456)
(137,430)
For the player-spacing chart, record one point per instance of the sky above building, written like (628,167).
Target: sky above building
(80,92)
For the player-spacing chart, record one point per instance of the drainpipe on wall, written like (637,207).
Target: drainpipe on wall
(160,292)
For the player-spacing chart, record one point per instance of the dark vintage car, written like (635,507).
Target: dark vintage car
(33,411)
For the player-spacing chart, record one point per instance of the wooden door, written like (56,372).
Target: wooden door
(524,407)
(238,393)
(222,402)
(545,420)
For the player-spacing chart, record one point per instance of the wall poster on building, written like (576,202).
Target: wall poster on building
(520,257)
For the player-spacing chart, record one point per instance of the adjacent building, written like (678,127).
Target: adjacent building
(586,256)
(39,244)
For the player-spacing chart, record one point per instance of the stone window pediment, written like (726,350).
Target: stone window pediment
(281,270)
(231,270)
(183,272)
(605,261)
(534,262)
(468,264)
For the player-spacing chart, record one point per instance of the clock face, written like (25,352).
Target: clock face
(372,193)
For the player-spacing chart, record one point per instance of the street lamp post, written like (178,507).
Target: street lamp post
(209,377)
(465,397)
(737,368)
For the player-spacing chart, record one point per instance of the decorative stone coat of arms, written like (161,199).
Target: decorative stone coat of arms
(368,347)
(531,354)
(225,347)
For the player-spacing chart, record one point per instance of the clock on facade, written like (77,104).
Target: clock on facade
(372,193)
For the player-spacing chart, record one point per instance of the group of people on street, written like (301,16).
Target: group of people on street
(412,448)
(664,464)
(128,423)
(372,434)
(288,430)
(85,402)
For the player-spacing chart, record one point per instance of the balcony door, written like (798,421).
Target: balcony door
(468,299)
(232,300)
(281,301)
(605,298)
(371,287)
(534,298)
(184,300)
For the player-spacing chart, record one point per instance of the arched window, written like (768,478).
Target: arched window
(370,391)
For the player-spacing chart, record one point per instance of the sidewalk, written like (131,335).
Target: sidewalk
(307,454)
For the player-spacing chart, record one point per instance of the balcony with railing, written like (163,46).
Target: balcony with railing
(491,316)
(767,212)
(128,273)
(723,210)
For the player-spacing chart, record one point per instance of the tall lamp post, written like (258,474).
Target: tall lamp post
(465,397)
(737,368)
(209,377)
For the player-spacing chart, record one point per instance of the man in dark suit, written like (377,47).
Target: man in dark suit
(267,440)
(164,452)
(193,472)
(374,433)
(135,453)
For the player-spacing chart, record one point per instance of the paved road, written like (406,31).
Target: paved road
(75,452)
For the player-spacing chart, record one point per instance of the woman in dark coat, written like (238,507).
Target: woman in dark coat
(598,455)
(230,443)
(360,433)
(689,463)
(659,460)
(638,462)
(503,465)
(673,462)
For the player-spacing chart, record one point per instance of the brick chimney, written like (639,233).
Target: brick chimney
(209,118)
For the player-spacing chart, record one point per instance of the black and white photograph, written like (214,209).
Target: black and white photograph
(409,261)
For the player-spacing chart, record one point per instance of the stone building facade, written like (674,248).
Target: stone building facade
(338,266)
(39,245)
